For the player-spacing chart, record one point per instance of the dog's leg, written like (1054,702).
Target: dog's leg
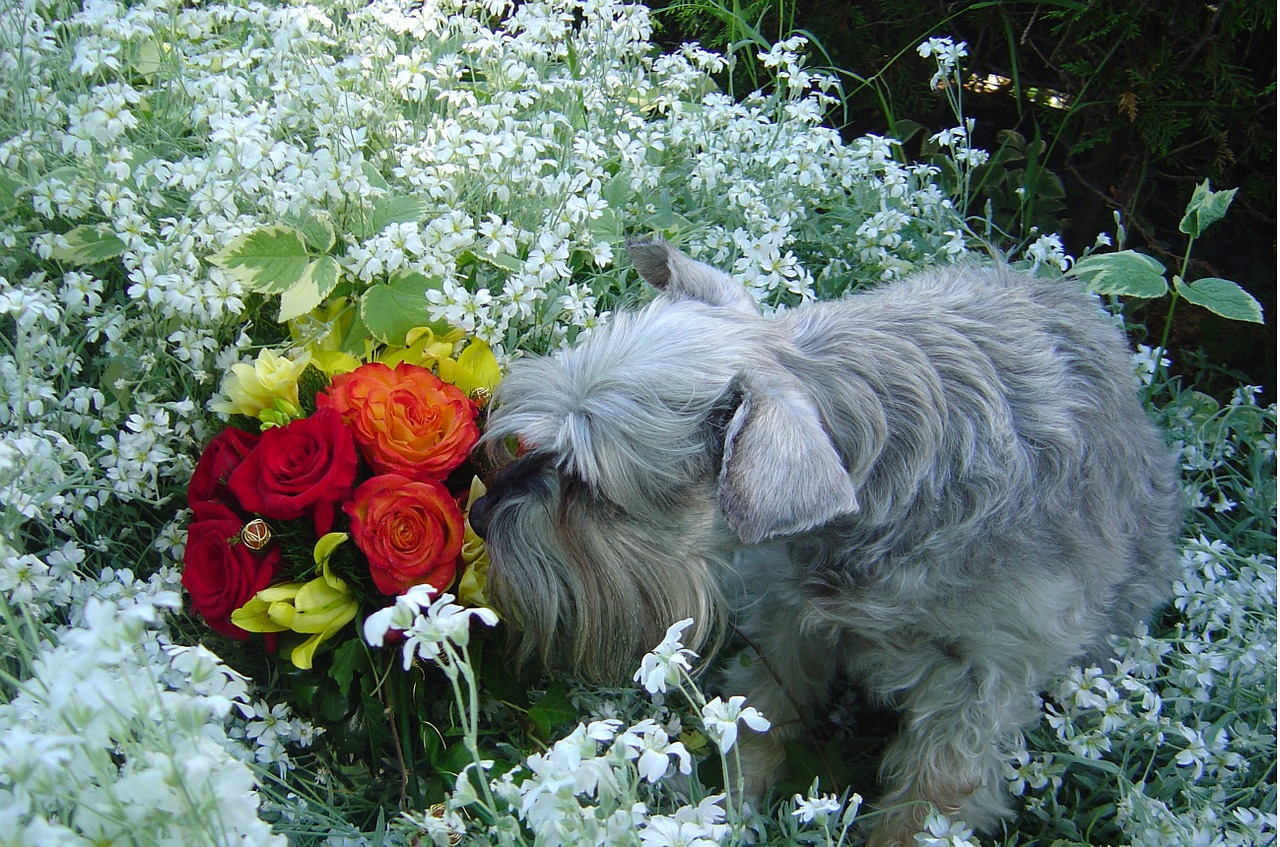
(947,754)
(787,678)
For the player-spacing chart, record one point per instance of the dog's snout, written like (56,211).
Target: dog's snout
(479,515)
(522,476)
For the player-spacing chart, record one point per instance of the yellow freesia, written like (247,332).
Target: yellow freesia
(422,347)
(252,388)
(279,413)
(270,610)
(318,608)
(321,332)
(474,372)
(322,329)
(475,559)
(334,362)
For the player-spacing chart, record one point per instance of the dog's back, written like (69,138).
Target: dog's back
(1006,443)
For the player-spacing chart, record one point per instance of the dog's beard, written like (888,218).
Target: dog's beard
(586,588)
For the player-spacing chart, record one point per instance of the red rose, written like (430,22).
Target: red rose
(405,420)
(411,532)
(219,572)
(223,455)
(305,466)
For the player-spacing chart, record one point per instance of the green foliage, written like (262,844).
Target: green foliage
(270,259)
(1119,107)
(1125,273)
(88,244)
(1222,297)
(389,310)
(1131,274)
(737,28)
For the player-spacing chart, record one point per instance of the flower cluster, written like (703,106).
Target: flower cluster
(1178,720)
(117,731)
(368,466)
(586,787)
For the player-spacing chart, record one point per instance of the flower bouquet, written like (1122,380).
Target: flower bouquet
(339,484)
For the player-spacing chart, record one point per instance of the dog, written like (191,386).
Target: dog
(944,488)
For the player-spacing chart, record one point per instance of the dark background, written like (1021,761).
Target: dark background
(1123,106)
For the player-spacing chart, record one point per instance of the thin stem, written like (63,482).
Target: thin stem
(459,665)
(1173,302)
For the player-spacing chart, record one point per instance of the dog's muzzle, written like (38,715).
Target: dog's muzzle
(522,477)
(479,514)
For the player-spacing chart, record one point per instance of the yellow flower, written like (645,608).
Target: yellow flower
(422,347)
(475,559)
(252,388)
(474,372)
(321,332)
(324,327)
(334,362)
(280,413)
(318,608)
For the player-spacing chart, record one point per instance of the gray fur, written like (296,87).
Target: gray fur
(945,487)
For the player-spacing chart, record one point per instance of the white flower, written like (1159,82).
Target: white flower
(950,137)
(1048,250)
(808,808)
(648,744)
(945,51)
(426,624)
(1195,753)
(663,831)
(941,832)
(662,667)
(720,719)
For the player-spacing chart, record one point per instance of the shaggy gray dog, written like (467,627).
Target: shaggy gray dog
(944,488)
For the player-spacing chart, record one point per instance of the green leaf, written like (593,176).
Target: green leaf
(1125,273)
(606,227)
(617,191)
(89,244)
(317,231)
(905,129)
(502,261)
(355,339)
(397,210)
(1222,297)
(316,284)
(391,310)
(149,58)
(664,218)
(552,711)
(269,260)
(8,191)
(1205,208)
(374,176)
(348,657)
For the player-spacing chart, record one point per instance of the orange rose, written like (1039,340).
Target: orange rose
(411,532)
(405,420)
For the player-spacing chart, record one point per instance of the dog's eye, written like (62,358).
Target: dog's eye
(578,496)
(722,411)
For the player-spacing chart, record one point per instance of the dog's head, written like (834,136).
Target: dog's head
(636,463)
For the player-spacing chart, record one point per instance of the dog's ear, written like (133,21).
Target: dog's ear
(676,275)
(780,474)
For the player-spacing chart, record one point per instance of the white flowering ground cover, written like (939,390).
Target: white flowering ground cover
(480,164)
